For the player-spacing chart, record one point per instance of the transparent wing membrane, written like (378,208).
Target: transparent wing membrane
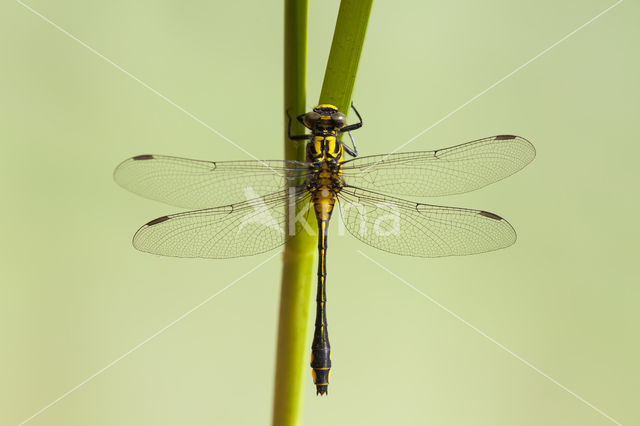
(243,229)
(196,184)
(448,171)
(422,230)
(253,195)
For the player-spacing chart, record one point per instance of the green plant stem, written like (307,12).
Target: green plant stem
(340,76)
(342,66)
(295,293)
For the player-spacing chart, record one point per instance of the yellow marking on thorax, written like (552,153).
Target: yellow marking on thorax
(317,145)
(330,143)
(324,198)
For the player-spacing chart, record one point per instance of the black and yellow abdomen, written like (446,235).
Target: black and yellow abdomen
(325,153)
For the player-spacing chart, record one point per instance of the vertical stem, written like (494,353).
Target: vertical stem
(295,293)
(348,39)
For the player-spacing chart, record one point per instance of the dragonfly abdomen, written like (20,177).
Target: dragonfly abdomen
(325,152)
(320,348)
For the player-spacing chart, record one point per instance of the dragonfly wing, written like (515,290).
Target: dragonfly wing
(448,171)
(197,184)
(243,229)
(421,230)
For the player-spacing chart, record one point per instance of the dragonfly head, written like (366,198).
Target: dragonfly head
(325,116)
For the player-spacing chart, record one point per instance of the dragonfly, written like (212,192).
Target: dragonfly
(243,208)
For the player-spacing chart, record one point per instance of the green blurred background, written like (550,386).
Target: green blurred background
(75,295)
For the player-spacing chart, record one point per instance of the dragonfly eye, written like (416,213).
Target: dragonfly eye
(339,118)
(311,118)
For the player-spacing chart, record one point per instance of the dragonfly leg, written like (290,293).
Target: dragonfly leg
(353,126)
(352,152)
(296,137)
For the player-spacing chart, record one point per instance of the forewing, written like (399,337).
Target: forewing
(196,184)
(448,171)
(243,229)
(422,230)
